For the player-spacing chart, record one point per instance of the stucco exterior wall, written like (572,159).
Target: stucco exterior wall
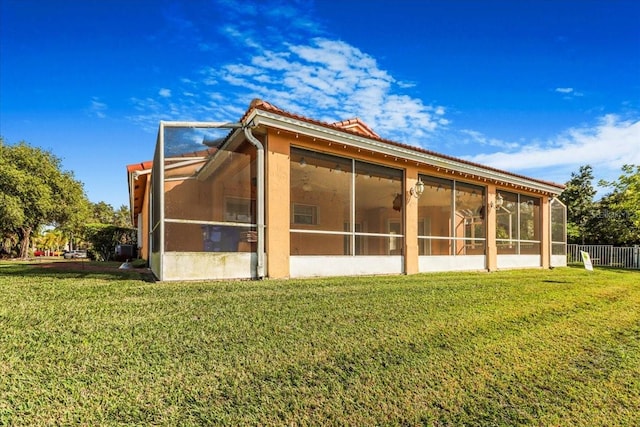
(283,245)
(411,222)
(277,203)
(325,247)
(143,224)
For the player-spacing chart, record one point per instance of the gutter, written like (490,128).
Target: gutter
(260,202)
(271,119)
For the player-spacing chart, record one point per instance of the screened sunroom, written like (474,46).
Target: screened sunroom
(203,198)
(282,195)
(452,226)
(558,233)
(348,211)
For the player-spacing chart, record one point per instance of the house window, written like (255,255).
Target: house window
(237,210)
(305,214)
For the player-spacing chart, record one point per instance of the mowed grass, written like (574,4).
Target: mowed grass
(531,347)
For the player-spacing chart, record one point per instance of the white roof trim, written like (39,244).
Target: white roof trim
(275,120)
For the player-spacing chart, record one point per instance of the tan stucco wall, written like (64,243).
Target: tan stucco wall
(278,154)
(280,243)
(277,205)
(143,221)
(411,222)
(492,248)
(545,235)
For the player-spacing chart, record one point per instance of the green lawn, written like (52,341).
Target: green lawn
(531,347)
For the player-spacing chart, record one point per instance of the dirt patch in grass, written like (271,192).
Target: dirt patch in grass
(76,267)
(84,265)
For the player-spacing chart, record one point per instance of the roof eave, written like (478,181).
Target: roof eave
(260,117)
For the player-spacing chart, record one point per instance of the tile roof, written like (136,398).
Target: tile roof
(139,183)
(358,126)
(353,126)
(139,166)
(259,104)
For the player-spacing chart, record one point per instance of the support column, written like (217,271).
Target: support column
(545,232)
(277,215)
(411,223)
(492,247)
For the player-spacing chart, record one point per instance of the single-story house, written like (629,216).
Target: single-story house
(282,195)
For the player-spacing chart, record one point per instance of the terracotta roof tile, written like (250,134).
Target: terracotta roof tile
(356,125)
(266,106)
(139,166)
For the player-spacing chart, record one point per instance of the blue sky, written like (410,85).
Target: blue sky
(534,87)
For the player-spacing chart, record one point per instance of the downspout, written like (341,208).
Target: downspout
(260,203)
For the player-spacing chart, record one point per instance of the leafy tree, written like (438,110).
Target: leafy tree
(104,238)
(55,240)
(122,217)
(74,229)
(618,219)
(8,242)
(578,197)
(50,241)
(34,191)
(103,213)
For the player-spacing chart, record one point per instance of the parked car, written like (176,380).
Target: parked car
(75,254)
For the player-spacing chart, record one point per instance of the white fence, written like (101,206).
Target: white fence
(606,255)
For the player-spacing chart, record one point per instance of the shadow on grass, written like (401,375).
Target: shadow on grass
(613,269)
(74,269)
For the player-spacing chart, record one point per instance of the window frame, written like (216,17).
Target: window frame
(313,214)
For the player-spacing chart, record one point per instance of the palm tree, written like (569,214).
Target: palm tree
(59,240)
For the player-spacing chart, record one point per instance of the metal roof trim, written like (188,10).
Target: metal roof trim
(259,117)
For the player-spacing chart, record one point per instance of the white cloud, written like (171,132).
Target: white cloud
(569,92)
(335,80)
(97,108)
(478,138)
(294,68)
(608,145)
(245,38)
(406,85)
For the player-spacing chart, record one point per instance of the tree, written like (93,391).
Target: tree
(103,213)
(578,197)
(74,227)
(34,191)
(618,219)
(8,242)
(55,240)
(104,238)
(122,217)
